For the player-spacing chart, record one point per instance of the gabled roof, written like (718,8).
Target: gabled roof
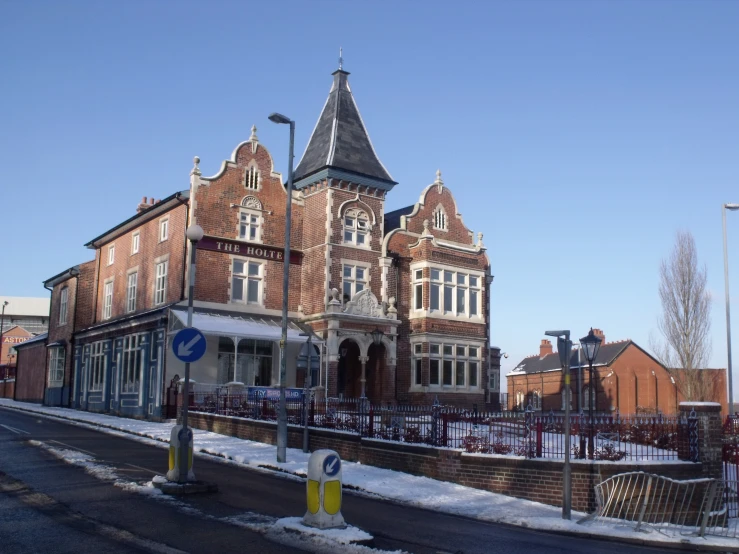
(340,142)
(156,210)
(606,354)
(34,340)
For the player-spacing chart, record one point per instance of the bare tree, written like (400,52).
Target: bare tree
(685,322)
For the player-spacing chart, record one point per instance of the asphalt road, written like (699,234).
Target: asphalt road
(46,501)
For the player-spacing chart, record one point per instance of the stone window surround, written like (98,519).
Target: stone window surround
(427,311)
(440,340)
(129,300)
(355,263)
(161,259)
(107,306)
(164,228)
(262,280)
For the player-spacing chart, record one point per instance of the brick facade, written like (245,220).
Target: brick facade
(341,240)
(630,382)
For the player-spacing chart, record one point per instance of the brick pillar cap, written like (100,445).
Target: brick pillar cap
(701,406)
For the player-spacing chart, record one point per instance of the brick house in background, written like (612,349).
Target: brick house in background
(416,277)
(627,379)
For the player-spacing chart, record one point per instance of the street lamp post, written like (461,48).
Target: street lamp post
(194,233)
(724,207)
(590,344)
(282,415)
(2,328)
(564,348)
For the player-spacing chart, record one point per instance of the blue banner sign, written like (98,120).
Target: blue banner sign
(273,393)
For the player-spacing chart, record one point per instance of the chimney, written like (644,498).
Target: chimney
(143,205)
(545,348)
(598,333)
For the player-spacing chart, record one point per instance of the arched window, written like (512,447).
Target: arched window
(440,218)
(356,227)
(251,179)
(536,400)
(519,400)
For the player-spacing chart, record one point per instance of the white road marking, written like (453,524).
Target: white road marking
(74,448)
(143,469)
(15,429)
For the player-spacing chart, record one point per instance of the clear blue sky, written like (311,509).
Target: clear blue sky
(577,136)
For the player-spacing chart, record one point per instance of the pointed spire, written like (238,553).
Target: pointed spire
(340,145)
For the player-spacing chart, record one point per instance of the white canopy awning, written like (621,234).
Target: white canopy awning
(252,327)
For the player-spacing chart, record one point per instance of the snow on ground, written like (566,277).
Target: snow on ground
(384,483)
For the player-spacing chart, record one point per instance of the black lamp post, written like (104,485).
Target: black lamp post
(590,345)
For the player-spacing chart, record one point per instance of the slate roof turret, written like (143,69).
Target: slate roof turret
(339,146)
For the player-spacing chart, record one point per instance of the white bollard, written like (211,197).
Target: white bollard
(323,488)
(174,455)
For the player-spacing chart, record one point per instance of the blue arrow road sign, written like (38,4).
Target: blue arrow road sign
(189,345)
(331,465)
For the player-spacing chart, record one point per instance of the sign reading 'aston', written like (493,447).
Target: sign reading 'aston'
(248,249)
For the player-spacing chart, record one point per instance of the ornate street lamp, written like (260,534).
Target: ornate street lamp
(590,345)
(377,335)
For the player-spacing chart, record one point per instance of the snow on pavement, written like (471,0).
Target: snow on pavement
(384,483)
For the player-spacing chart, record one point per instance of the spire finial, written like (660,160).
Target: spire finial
(341,58)
(195,169)
(439,182)
(253,136)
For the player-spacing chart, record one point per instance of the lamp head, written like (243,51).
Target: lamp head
(590,345)
(377,335)
(279,118)
(194,233)
(557,333)
(732,207)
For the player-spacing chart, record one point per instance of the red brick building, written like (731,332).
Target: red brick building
(416,277)
(627,379)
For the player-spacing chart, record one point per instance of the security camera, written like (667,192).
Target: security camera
(505,354)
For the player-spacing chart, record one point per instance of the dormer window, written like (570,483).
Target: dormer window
(440,219)
(356,227)
(251,180)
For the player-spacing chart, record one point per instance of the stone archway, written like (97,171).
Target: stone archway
(349,370)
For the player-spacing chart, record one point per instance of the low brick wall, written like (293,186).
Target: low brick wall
(531,479)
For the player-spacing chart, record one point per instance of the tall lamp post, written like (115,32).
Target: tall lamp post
(590,345)
(282,415)
(724,207)
(564,348)
(2,329)
(194,234)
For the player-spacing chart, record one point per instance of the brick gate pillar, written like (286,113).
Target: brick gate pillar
(709,436)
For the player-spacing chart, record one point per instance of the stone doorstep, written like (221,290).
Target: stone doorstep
(178,489)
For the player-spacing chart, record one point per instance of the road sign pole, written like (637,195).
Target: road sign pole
(185,440)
